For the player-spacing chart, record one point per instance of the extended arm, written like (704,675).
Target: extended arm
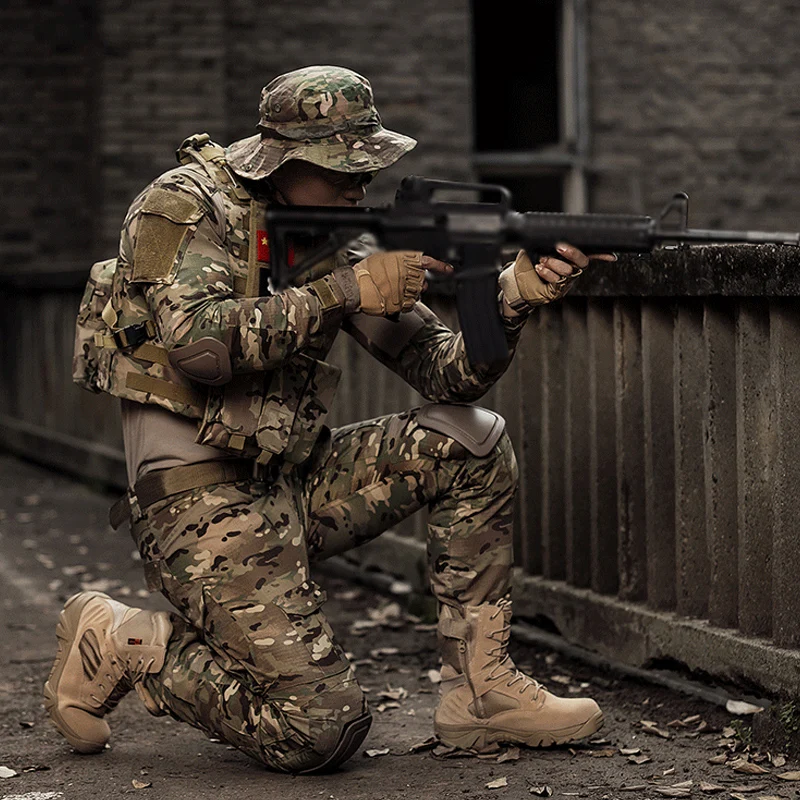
(430,357)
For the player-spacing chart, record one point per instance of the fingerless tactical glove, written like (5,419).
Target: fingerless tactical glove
(390,282)
(523,288)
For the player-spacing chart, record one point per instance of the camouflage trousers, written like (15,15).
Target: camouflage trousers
(252,659)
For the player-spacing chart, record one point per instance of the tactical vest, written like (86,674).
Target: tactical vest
(118,350)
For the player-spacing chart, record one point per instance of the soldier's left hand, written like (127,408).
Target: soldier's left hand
(526,285)
(570,264)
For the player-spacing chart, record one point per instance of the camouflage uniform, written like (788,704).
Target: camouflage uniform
(252,659)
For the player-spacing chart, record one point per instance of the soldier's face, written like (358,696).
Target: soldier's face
(303,184)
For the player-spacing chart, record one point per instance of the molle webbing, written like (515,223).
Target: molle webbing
(165,389)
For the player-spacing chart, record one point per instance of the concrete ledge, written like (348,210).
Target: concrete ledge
(629,633)
(637,635)
(737,270)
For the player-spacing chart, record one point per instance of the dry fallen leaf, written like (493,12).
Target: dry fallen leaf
(634,787)
(388,612)
(426,627)
(381,707)
(639,760)
(391,693)
(728,732)
(741,708)
(710,788)
(669,791)
(6,772)
(499,783)
(428,744)
(789,776)
(376,753)
(720,759)
(541,791)
(748,788)
(629,751)
(349,594)
(512,754)
(362,625)
(445,751)
(652,728)
(606,753)
(434,676)
(141,784)
(747,767)
(384,651)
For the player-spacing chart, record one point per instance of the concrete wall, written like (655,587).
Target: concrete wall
(653,412)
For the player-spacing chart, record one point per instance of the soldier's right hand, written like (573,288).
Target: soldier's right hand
(390,282)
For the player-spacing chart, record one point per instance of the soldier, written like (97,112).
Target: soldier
(236,484)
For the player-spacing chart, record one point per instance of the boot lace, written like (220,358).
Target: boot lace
(505,666)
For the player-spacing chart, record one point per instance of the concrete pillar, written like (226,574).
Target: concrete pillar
(602,437)
(658,321)
(719,337)
(755,457)
(785,358)
(578,476)
(632,546)
(691,546)
(530,445)
(554,431)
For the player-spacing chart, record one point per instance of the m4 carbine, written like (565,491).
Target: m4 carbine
(472,236)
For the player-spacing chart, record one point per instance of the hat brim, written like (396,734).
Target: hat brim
(257,157)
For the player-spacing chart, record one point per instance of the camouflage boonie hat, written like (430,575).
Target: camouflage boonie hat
(325,115)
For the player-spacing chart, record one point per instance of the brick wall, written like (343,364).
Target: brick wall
(416,56)
(46,128)
(702,97)
(99,93)
(164,64)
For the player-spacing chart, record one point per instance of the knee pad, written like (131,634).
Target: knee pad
(337,737)
(477,429)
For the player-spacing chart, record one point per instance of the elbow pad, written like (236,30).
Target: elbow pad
(205,361)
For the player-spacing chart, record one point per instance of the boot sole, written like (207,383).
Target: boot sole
(472,737)
(66,634)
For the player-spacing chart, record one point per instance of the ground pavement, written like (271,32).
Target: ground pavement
(54,539)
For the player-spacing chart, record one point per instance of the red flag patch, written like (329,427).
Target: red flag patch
(263,246)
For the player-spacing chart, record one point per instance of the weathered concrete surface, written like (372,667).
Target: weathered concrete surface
(637,635)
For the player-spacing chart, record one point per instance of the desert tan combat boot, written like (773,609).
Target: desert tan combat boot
(104,650)
(486,699)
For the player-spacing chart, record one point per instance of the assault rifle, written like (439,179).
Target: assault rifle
(472,237)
